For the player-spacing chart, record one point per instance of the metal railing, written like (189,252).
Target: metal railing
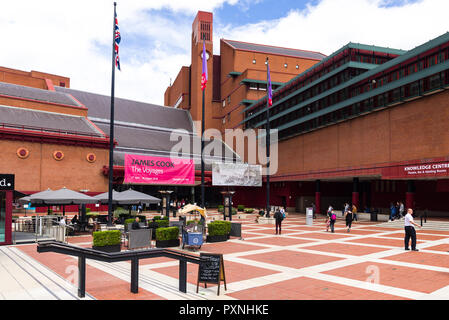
(41,227)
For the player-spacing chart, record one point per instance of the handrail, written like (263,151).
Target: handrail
(133,256)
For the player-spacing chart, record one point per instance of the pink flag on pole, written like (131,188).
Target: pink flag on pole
(204,73)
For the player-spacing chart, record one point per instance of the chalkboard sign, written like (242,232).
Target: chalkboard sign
(211,270)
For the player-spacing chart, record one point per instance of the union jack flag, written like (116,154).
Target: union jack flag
(117,42)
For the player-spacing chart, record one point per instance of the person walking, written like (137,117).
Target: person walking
(314,210)
(278,217)
(401,209)
(332,219)
(354,212)
(410,230)
(349,216)
(392,211)
(328,220)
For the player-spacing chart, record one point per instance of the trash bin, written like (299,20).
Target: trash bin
(309,216)
(373,216)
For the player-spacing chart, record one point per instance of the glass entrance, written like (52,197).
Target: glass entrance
(2,216)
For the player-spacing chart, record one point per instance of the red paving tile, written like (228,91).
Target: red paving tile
(324,235)
(228,247)
(349,249)
(424,258)
(385,242)
(273,231)
(355,231)
(279,241)
(305,288)
(292,259)
(420,280)
(99,284)
(79,239)
(419,236)
(442,247)
(233,272)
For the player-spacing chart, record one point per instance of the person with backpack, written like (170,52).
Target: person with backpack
(332,219)
(354,212)
(349,216)
(278,217)
(328,214)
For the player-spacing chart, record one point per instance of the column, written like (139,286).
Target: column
(318,196)
(355,193)
(410,195)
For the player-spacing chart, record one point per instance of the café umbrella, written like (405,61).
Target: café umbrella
(189,208)
(133,197)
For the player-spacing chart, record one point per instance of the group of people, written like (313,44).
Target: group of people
(349,214)
(397,211)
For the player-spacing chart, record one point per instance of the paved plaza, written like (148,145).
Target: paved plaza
(304,263)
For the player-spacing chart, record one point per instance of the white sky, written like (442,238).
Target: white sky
(73,38)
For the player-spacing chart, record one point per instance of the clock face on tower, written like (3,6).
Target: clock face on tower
(207,55)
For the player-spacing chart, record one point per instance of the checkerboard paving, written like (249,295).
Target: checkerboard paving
(303,263)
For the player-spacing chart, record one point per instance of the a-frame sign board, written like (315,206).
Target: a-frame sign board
(211,270)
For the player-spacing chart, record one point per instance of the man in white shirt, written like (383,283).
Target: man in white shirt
(410,230)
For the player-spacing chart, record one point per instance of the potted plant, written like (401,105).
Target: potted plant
(107,241)
(218,231)
(249,210)
(167,237)
(221,208)
(240,207)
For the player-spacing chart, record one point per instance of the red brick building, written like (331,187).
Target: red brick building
(366,125)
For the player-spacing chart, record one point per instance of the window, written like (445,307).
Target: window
(297,66)
(254,61)
(224,103)
(285,65)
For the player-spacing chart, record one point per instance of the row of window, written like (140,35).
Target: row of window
(402,70)
(415,89)
(349,55)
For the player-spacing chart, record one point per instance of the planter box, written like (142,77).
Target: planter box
(167,243)
(219,238)
(112,248)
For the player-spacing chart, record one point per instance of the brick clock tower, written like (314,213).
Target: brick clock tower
(202,28)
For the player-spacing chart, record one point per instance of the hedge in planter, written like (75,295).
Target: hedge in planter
(240,207)
(167,237)
(162,223)
(107,241)
(218,231)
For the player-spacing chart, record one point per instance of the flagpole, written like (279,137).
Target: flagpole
(267,147)
(203,200)
(111,126)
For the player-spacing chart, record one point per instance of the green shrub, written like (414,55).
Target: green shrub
(201,222)
(171,233)
(130,220)
(157,218)
(88,210)
(120,212)
(92,214)
(162,223)
(248,210)
(219,228)
(234,211)
(240,207)
(221,208)
(106,238)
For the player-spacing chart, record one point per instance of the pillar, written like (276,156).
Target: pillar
(410,195)
(318,196)
(355,193)
(8,217)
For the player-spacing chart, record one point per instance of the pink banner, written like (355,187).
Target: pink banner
(158,170)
